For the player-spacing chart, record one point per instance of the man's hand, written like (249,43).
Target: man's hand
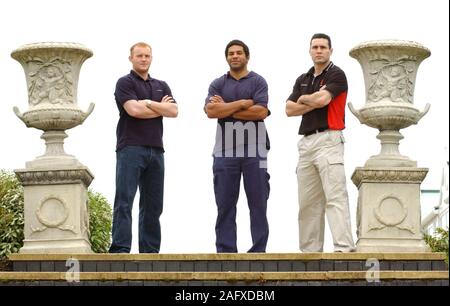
(318,99)
(167,99)
(216,99)
(299,100)
(246,103)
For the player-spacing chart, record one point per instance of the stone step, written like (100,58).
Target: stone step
(331,278)
(245,262)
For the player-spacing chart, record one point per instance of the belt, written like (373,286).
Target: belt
(315,131)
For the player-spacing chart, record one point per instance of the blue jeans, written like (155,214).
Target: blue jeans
(227,179)
(143,167)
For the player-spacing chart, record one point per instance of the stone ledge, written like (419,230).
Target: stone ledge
(406,175)
(228,256)
(55,176)
(223,276)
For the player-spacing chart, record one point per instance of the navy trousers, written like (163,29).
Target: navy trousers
(143,167)
(227,177)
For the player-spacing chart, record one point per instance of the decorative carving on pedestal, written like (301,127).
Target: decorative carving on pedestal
(52,212)
(390,212)
(389,175)
(53,177)
(55,184)
(388,217)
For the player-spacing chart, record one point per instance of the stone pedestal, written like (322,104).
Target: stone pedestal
(388,216)
(55,184)
(56,215)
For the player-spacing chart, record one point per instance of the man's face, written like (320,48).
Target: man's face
(320,51)
(141,58)
(236,58)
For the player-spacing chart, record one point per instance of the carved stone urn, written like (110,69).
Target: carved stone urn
(55,184)
(388,217)
(51,71)
(390,68)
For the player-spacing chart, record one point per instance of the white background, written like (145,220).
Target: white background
(188,40)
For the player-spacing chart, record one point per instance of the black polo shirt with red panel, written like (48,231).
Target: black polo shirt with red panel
(331,116)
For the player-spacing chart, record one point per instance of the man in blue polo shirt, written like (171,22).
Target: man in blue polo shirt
(142,102)
(239,100)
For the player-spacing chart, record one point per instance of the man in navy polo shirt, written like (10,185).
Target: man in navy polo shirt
(142,102)
(319,96)
(239,100)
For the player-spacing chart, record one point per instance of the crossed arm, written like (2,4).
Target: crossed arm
(244,109)
(306,103)
(142,110)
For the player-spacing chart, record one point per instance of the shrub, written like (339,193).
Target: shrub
(100,216)
(12,217)
(11,214)
(439,241)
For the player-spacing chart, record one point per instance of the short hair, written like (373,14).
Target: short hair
(139,44)
(236,42)
(321,35)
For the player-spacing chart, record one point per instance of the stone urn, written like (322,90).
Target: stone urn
(389,68)
(55,184)
(389,216)
(51,71)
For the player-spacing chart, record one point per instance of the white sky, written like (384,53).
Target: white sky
(188,40)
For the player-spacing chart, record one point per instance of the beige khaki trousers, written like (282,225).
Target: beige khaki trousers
(322,190)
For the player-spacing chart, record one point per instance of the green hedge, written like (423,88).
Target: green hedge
(12,218)
(439,241)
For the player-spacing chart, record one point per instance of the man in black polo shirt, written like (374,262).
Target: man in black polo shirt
(319,96)
(142,102)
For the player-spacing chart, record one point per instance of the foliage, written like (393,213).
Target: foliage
(100,216)
(12,217)
(439,241)
(11,214)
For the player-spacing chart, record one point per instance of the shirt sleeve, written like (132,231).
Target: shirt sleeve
(167,91)
(295,91)
(261,95)
(213,90)
(125,91)
(336,83)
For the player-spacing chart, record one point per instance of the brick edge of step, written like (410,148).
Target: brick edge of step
(224,276)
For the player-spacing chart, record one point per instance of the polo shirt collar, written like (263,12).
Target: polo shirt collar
(311,71)
(136,75)
(249,75)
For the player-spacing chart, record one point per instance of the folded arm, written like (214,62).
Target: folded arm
(255,112)
(143,109)
(166,108)
(318,99)
(297,109)
(138,109)
(217,108)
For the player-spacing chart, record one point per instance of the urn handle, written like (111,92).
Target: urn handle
(88,112)
(20,115)
(355,112)
(425,111)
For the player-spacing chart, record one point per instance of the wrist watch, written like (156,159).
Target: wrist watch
(149,103)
